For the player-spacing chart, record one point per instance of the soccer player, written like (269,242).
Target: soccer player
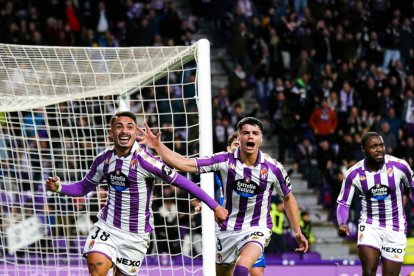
(249,177)
(120,237)
(258,267)
(382,228)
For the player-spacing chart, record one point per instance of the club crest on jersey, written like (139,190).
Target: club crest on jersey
(245,187)
(390,171)
(231,166)
(379,192)
(118,181)
(133,164)
(106,161)
(263,173)
(362,177)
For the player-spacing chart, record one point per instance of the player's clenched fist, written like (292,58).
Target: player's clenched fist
(220,214)
(343,230)
(53,184)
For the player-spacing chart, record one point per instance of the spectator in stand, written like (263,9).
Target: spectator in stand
(236,78)
(396,124)
(353,123)
(392,43)
(390,140)
(305,158)
(306,226)
(323,121)
(277,242)
(325,154)
(407,43)
(408,113)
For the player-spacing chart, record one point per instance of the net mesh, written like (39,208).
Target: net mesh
(55,107)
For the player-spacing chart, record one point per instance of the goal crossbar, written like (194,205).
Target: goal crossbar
(140,67)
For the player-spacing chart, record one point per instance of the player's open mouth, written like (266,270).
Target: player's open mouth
(124,139)
(250,145)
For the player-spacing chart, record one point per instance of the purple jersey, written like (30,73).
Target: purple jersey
(247,190)
(382,192)
(130,180)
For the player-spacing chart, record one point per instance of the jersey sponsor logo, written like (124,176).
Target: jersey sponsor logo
(167,170)
(379,192)
(392,250)
(118,181)
(246,188)
(128,262)
(253,236)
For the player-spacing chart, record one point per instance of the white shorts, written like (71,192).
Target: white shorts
(390,243)
(229,243)
(125,250)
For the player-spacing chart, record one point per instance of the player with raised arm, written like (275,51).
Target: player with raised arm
(120,237)
(249,177)
(382,227)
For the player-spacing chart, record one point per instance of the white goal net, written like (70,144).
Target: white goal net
(55,107)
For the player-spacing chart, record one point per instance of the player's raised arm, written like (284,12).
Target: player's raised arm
(170,176)
(170,157)
(80,188)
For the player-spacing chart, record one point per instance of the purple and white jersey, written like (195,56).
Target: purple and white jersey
(130,180)
(382,192)
(247,190)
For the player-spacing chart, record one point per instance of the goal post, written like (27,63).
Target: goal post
(55,107)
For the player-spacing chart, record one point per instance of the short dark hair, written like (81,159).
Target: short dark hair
(128,114)
(249,121)
(368,136)
(232,137)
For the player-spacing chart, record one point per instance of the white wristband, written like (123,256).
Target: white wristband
(59,186)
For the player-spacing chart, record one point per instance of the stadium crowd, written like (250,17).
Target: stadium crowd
(322,72)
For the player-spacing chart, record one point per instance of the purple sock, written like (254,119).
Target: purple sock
(240,271)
